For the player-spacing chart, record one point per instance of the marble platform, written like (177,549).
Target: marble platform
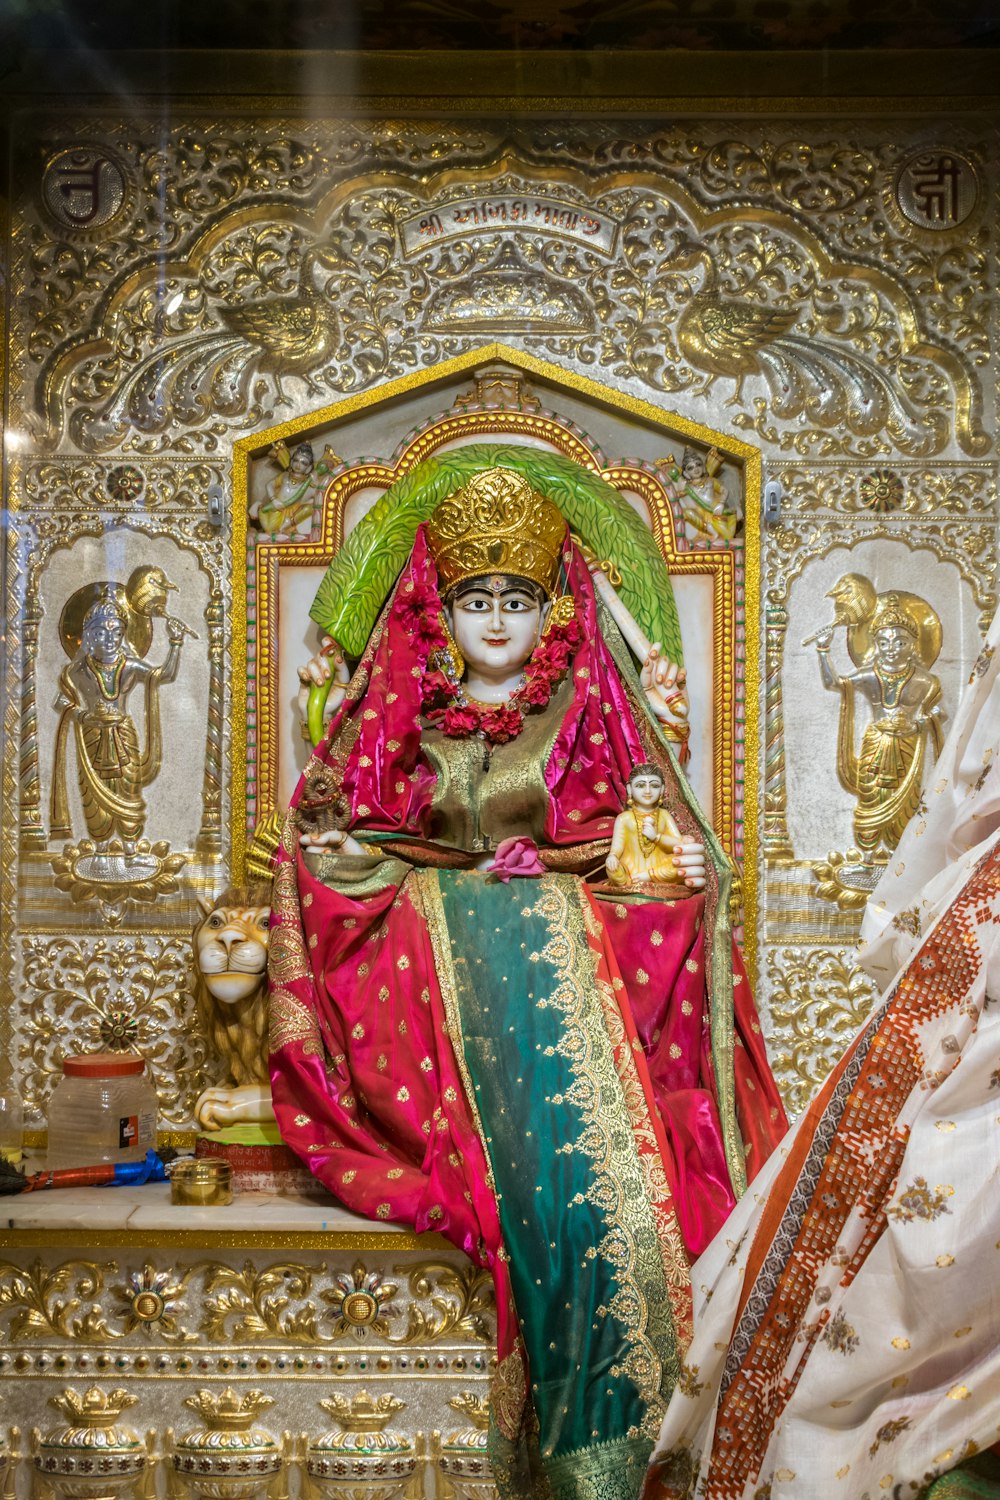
(148,1210)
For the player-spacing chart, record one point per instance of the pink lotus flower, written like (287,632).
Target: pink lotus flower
(516,857)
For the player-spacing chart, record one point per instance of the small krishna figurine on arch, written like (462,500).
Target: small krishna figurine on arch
(475,1028)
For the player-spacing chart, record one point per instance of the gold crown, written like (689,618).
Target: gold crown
(496,524)
(890,614)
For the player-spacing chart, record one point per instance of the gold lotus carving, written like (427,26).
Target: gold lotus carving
(363,1412)
(93,1407)
(228,1411)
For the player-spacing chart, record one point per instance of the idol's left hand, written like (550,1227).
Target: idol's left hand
(663,682)
(689,857)
(334,839)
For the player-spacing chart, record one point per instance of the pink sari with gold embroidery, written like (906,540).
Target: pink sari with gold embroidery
(407,989)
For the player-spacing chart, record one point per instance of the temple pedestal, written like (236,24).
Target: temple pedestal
(292,1297)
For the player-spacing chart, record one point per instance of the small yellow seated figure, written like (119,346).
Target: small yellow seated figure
(642,845)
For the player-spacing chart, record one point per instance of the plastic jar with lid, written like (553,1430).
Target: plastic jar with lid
(102,1110)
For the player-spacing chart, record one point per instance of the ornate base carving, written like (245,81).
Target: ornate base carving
(847,879)
(113,873)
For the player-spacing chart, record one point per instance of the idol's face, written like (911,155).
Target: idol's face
(301,461)
(647,791)
(694,467)
(496,623)
(104,636)
(893,646)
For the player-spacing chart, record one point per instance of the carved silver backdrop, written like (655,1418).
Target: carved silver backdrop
(817,290)
(819,287)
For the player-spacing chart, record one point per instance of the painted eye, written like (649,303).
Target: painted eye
(215,920)
(264,924)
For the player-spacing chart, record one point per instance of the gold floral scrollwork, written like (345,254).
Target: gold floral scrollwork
(946,489)
(148,1302)
(461,1297)
(797,294)
(38,1301)
(253,1303)
(80,994)
(60,484)
(818,999)
(83,1301)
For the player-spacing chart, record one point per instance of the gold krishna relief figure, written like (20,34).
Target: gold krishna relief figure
(894,639)
(106,630)
(472,1030)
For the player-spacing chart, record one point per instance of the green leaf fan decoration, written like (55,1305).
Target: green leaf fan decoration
(358,581)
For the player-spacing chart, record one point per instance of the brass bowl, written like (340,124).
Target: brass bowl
(202,1182)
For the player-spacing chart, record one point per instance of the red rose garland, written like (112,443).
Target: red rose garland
(441,697)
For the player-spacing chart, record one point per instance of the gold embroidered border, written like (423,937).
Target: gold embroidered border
(287,957)
(509,1392)
(425,893)
(292,1022)
(604,1471)
(632,1245)
(676,1263)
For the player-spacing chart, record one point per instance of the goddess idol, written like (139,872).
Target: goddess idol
(473,1032)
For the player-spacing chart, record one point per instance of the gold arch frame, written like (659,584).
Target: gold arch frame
(720,565)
